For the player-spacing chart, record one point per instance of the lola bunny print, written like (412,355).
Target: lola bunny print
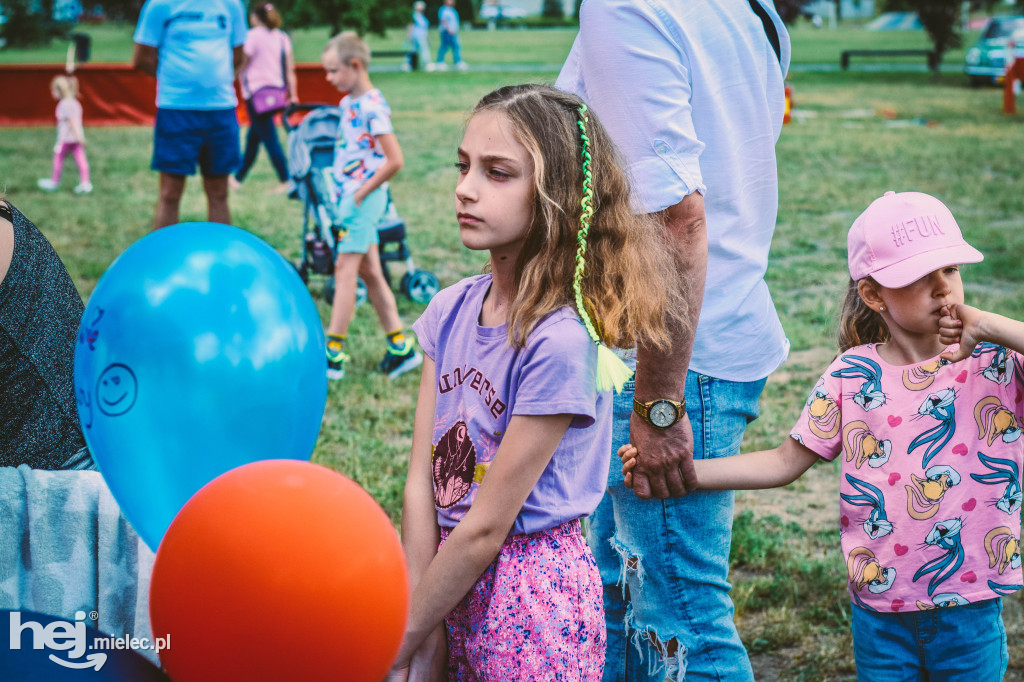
(931,457)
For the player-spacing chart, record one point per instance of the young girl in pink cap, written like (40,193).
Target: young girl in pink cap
(923,405)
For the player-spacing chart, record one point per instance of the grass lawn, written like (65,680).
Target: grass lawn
(838,155)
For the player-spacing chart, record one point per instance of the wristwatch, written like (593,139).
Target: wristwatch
(661,413)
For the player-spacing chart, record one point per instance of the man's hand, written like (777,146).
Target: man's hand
(666,466)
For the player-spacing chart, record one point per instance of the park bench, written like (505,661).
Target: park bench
(844,59)
(411,55)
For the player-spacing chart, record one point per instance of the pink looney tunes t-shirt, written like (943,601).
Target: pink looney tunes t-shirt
(482,382)
(931,462)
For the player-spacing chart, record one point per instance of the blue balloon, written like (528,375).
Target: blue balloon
(200,350)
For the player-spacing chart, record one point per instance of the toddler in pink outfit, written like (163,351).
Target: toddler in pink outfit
(70,135)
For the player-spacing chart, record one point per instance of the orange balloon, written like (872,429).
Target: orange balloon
(280,570)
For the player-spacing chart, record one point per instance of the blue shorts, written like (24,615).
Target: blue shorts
(955,644)
(183,138)
(360,222)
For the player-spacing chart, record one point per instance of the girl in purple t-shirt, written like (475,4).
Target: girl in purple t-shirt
(928,435)
(513,426)
(70,135)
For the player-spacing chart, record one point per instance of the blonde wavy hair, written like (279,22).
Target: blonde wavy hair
(859,324)
(66,86)
(632,289)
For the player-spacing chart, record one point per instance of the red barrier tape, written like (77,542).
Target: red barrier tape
(114,94)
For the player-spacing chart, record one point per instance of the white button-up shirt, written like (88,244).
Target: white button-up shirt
(692,93)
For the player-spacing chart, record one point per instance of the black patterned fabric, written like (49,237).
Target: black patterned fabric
(40,310)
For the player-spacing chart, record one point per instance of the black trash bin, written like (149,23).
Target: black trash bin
(83,46)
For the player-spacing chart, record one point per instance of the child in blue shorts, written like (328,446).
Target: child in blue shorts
(366,156)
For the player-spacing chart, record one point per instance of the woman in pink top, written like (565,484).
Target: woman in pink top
(70,135)
(268,62)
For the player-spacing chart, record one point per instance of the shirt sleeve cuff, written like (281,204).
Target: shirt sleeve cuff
(664,180)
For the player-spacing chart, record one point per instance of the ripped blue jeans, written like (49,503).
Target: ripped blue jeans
(671,557)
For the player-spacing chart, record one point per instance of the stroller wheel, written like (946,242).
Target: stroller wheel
(329,290)
(361,295)
(303,271)
(420,285)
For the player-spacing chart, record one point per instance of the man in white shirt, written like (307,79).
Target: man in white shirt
(692,93)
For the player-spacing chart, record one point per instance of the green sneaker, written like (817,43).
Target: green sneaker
(398,361)
(336,364)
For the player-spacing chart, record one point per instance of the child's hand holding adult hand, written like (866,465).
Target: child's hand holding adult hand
(961,324)
(627,453)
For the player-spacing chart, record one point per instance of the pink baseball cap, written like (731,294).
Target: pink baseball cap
(901,237)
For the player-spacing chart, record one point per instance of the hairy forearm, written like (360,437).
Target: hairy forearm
(686,228)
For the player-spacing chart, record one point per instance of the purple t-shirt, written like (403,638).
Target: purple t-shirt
(482,381)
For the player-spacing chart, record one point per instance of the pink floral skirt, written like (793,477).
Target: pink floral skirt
(536,613)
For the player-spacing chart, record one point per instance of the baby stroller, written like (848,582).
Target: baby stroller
(310,160)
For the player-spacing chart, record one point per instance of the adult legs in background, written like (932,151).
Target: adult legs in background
(456,49)
(216,189)
(252,149)
(664,563)
(183,138)
(446,44)
(262,129)
(172,186)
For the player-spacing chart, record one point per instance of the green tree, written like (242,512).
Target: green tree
(348,15)
(362,16)
(553,9)
(30,22)
(790,10)
(941,21)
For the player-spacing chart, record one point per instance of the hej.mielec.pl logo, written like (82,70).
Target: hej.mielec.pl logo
(73,640)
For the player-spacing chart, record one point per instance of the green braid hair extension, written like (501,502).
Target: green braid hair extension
(612,372)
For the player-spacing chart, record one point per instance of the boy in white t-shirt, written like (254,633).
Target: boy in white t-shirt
(366,156)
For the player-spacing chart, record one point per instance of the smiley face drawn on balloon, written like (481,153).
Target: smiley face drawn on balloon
(116,390)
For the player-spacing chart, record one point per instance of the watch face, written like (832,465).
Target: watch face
(663,414)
